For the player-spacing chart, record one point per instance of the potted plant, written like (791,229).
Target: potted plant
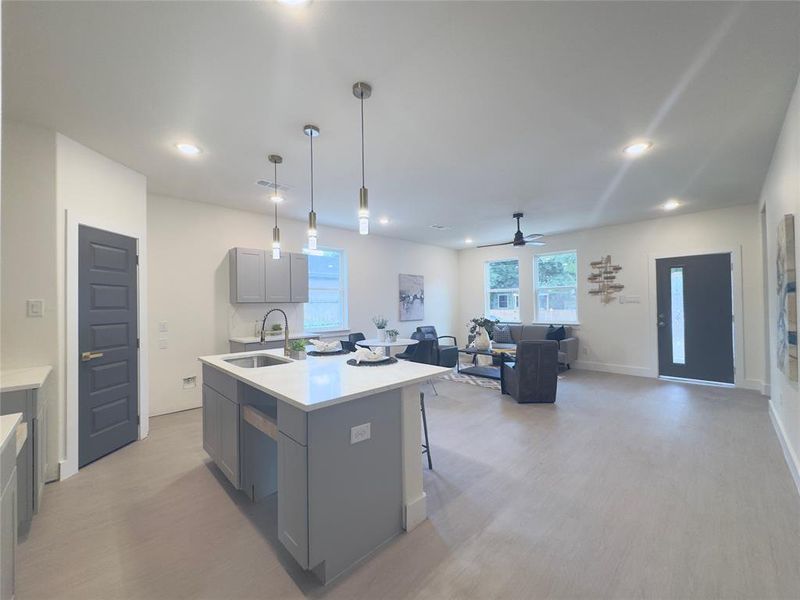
(482,328)
(380,324)
(391,335)
(276,329)
(297,349)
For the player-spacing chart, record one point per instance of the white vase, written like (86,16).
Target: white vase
(482,341)
(382,335)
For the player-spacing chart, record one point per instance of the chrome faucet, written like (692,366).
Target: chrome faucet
(285,329)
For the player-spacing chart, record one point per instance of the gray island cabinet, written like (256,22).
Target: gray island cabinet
(338,444)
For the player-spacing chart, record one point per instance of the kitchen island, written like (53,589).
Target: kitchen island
(339,444)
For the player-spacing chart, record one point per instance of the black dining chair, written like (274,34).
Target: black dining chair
(409,351)
(350,343)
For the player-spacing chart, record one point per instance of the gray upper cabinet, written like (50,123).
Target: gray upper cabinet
(247,275)
(278,277)
(299,279)
(257,278)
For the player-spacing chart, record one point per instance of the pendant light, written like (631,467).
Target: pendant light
(276,159)
(312,131)
(362,91)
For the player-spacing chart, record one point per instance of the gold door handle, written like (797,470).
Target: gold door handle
(87,356)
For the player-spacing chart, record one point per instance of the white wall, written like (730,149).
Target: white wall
(93,190)
(621,338)
(29,260)
(780,196)
(188,244)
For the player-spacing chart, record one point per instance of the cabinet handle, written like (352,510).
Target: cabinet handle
(87,356)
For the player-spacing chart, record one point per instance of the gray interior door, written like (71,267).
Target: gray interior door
(108,344)
(695,317)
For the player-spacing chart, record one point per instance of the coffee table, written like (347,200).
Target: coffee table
(487,371)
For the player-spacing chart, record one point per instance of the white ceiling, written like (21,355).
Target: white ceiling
(478,110)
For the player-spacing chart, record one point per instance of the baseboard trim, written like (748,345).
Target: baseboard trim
(589,365)
(415,512)
(791,460)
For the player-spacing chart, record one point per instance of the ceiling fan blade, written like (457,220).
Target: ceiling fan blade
(492,245)
(535,243)
(534,236)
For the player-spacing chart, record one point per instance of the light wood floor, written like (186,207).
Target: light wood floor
(626,488)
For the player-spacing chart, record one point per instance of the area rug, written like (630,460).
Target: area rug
(483,382)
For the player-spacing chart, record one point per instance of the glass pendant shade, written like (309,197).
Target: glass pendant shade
(276,243)
(363,211)
(312,230)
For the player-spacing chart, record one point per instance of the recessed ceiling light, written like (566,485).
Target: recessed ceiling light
(294,2)
(383,221)
(468,241)
(637,149)
(188,149)
(670,204)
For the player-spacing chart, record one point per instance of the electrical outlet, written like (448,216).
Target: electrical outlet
(189,382)
(360,433)
(162,327)
(35,308)
(585,351)
(163,344)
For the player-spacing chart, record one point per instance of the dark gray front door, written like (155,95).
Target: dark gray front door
(695,317)
(107,337)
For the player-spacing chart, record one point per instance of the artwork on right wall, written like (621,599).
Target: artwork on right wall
(787,299)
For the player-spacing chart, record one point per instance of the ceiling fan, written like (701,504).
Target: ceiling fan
(519,239)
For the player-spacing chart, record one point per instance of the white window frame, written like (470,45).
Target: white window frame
(343,287)
(486,291)
(536,316)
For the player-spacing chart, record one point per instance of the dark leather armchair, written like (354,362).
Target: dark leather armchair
(446,354)
(409,351)
(424,352)
(350,344)
(534,375)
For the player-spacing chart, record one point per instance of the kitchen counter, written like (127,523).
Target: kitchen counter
(8,429)
(30,378)
(318,382)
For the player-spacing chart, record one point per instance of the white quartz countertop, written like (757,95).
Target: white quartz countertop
(317,382)
(8,428)
(254,339)
(30,378)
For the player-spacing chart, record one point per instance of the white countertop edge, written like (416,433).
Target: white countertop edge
(240,373)
(8,428)
(28,378)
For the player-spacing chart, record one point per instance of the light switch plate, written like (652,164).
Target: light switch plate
(360,433)
(35,308)
(162,327)
(162,344)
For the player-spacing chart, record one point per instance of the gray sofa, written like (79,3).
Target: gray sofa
(567,348)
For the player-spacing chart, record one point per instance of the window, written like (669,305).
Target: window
(555,283)
(676,308)
(502,290)
(327,291)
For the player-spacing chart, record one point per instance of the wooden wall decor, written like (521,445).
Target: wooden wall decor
(604,279)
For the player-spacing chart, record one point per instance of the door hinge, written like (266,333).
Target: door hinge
(138,419)
(137,343)
(137,260)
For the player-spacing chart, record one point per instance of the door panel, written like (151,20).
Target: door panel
(107,330)
(299,277)
(278,278)
(695,317)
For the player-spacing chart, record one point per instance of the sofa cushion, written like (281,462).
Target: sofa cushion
(502,334)
(533,333)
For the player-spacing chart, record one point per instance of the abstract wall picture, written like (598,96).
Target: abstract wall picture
(412,297)
(787,299)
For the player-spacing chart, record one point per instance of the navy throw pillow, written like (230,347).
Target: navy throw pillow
(556,333)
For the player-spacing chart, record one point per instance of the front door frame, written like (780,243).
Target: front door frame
(738,304)
(69,465)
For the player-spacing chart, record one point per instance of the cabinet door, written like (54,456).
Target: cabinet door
(299,278)
(228,459)
(8,537)
(210,422)
(278,279)
(293,498)
(247,275)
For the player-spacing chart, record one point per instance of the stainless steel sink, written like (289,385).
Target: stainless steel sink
(255,361)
